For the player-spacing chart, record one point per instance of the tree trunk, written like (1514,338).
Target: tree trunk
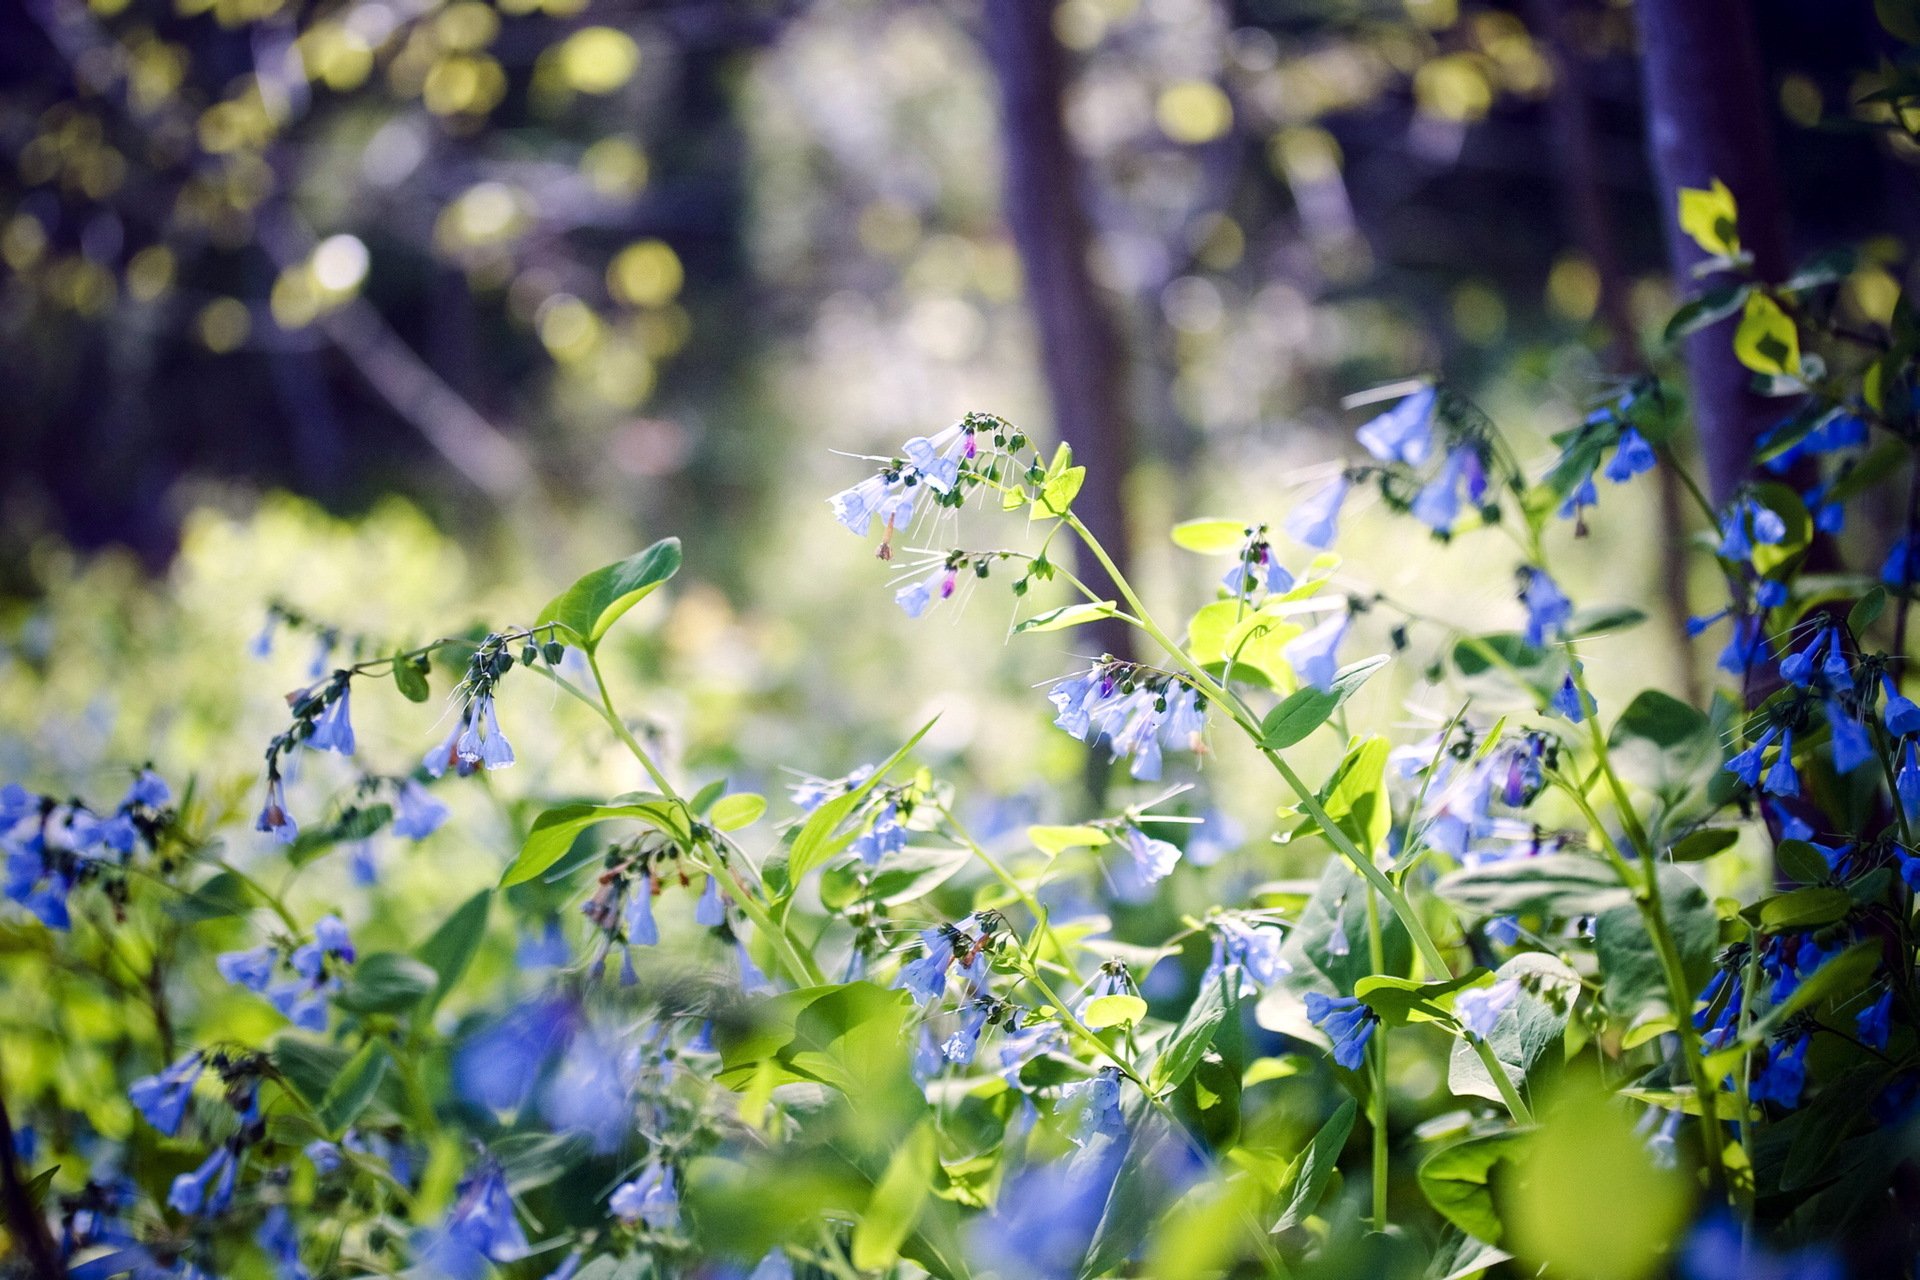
(1080,348)
(1705,120)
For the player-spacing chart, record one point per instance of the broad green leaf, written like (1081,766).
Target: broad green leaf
(742,809)
(1053,841)
(1211,536)
(850,1037)
(1801,862)
(1114,1011)
(1664,745)
(1710,218)
(1258,642)
(1399,1001)
(1306,709)
(1603,619)
(1061,486)
(1704,843)
(1559,885)
(1195,1032)
(1328,950)
(595,602)
(353,1088)
(387,982)
(1071,615)
(555,831)
(1635,985)
(1866,610)
(1711,307)
(1534,1024)
(1458,1181)
(820,838)
(1767,341)
(1804,909)
(307,1067)
(451,947)
(907,875)
(1306,1181)
(1356,796)
(224,894)
(897,1200)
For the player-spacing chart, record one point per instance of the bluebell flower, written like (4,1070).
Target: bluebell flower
(775,1266)
(916,598)
(1044,1218)
(1851,745)
(1315,655)
(1548,609)
(1784,1073)
(1021,1044)
(1747,764)
(711,910)
(1137,713)
(1315,522)
(1347,1022)
(301,1003)
(446,754)
(1437,505)
(1254,952)
(274,818)
(1897,570)
(752,980)
(417,814)
(333,727)
(642,930)
(1828,516)
(261,646)
(189,1191)
(482,1216)
(325,1156)
(1633,457)
(1875,1022)
(1154,858)
(1900,715)
(496,1067)
(548,948)
(1257,569)
(591,1091)
(322,655)
(1503,931)
(886,836)
(926,978)
(148,790)
(960,1047)
(649,1198)
(1568,702)
(1770,593)
(1584,495)
(250,969)
(281,1244)
(1807,665)
(928,1058)
(1403,433)
(1747,646)
(1745,523)
(1338,944)
(330,935)
(1479,1009)
(1781,780)
(1098,1098)
(163,1098)
(482,743)
(1907,782)
(1718,1249)
(1662,1144)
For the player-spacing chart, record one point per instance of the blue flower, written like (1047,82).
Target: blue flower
(333,728)
(1437,505)
(649,1198)
(591,1091)
(1900,715)
(1583,496)
(1136,712)
(1503,931)
(1781,780)
(1254,953)
(1747,765)
(497,1066)
(1633,457)
(482,1216)
(926,978)
(1897,569)
(1745,523)
(1154,858)
(752,980)
(1908,783)
(1099,1100)
(1347,1022)
(261,646)
(326,1157)
(1315,655)
(885,836)
(960,1047)
(1804,667)
(274,817)
(279,1241)
(1480,1008)
(416,813)
(1043,1221)
(330,935)
(711,910)
(1548,609)
(250,969)
(1770,593)
(482,743)
(1851,745)
(1568,702)
(546,949)
(642,930)
(1403,433)
(1747,646)
(1315,522)
(1718,1249)
(163,1098)
(189,1191)
(1784,1075)
(148,790)
(1874,1022)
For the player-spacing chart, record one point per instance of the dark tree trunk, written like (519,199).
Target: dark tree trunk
(1080,348)
(1705,120)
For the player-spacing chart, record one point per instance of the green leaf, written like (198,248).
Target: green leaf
(1559,885)
(1054,841)
(595,602)
(1710,217)
(1306,709)
(1399,1001)
(1356,796)
(1805,909)
(1710,308)
(225,894)
(1901,18)
(1071,615)
(849,1037)
(896,1202)
(308,1068)
(1666,746)
(819,838)
(353,1089)
(1061,485)
(1600,619)
(1113,1011)
(742,809)
(1306,1181)
(1211,535)
(1866,610)
(412,681)
(387,982)
(1195,1032)
(1704,843)
(1767,341)
(555,831)
(451,947)
(1635,985)
(906,876)
(1533,1025)
(1458,1181)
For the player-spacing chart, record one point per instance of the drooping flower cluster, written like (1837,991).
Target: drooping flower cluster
(927,467)
(313,972)
(1136,710)
(48,847)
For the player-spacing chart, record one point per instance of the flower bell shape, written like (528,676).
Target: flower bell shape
(886,836)
(1584,495)
(1254,951)
(1567,701)
(1437,505)
(250,969)
(1782,780)
(481,743)
(163,1098)
(189,1193)
(1403,433)
(1746,523)
(1747,765)
(333,727)
(711,910)
(416,813)
(926,978)
(1548,609)
(274,817)
(1907,783)
(649,1199)
(1347,1022)
(960,1047)
(1315,654)
(1154,858)
(1316,522)
(1851,745)
(148,791)
(1900,715)
(1633,457)
(1480,1009)
(482,1217)
(1897,570)
(1784,1075)
(1099,1102)
(642,930)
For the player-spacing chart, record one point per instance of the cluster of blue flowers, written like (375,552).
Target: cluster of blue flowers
(49,847)
(1137,711)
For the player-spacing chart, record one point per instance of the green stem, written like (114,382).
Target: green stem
(619,726)
(1041,917)
(1377,1100)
